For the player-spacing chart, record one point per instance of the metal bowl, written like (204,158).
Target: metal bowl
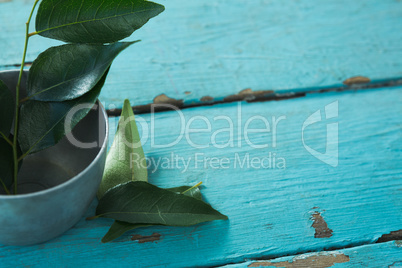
(56,185)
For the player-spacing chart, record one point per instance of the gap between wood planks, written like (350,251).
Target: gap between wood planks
(354,83)
(392,236)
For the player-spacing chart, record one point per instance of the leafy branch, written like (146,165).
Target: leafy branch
(63,76)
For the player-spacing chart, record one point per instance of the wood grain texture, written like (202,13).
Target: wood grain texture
(379,255)
(198,51)
(270,209)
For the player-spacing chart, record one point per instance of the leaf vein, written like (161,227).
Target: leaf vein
(91,20)
(131,200)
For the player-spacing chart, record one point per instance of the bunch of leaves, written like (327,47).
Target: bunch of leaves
(126,196)
(64,76)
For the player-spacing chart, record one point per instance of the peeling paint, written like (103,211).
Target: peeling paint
(163,99)
(396,264)
(320,226)
(187,92)
(3,1)
(313,261)
(255,96)
(146,239)
(160,103)
(356,80)
(395,235)
(248,95)
(207,99)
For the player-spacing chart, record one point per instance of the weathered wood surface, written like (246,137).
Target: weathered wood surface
(377,255)
(217,49)
(309,206)
(202,51)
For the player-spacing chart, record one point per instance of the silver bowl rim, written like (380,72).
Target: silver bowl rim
(76,177)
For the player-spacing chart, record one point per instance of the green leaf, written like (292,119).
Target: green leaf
(42,123)
(141,202)
(118,228)
(188,191)
(93,21)
(7,107)
(69,71)
(119,166)
(126,160)
(6,163)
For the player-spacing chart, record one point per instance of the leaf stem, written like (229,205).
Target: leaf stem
(22,156)
(6,139)
(31,34)
(24,100)
(195,186)
(4,187)
(17,99)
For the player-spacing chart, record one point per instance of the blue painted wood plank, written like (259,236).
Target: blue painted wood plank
(197,48)
(378,255)
(306,205)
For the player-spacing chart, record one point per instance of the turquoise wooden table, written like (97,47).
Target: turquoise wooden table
(290,112)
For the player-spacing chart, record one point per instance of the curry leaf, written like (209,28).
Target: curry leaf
(188,191)
(89,21)
(7,106)
(69,71)
(118,228)
(6,163)
(141,202)
(126,160)
(42,123)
